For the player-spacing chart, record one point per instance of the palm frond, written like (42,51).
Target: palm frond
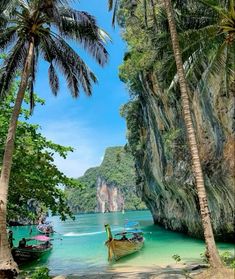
(115,9)
(80,17)
(69,63)
(50,23)
(110,5)
(7,38)
(53,79)
(3,5)
(86,32)
(12,64)
(193,42)
(222,11)
(8,6)
(80,70)
(218,61)
(50,8)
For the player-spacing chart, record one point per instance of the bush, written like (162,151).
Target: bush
(41,273)
(177,258)
(228,259)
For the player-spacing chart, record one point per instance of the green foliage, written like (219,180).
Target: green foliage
(170,140)
(154,114)
(177,258)
(228,259)
(206,36)
(35,181)
(84,199)
(117,169)
(49,29)
(204,257)
(41,273)
(132,113)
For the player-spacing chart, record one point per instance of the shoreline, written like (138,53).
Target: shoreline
(173,271)
(176,271)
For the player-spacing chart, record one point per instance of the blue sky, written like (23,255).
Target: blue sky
(89,124)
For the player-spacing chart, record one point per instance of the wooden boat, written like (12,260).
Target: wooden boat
(123,243)
(27,253)
(46,228)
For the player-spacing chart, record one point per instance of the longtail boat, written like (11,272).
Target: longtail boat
(123,243)
(46,228)
(26,253)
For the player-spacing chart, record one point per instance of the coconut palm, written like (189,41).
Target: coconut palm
(5,7)
(212,252)
(41,28)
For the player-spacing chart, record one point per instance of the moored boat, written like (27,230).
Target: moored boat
(123,243)
(46,228)
(27,253)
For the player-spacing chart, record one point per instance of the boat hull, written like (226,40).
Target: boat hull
(22,255)
(120,248)
(45,229)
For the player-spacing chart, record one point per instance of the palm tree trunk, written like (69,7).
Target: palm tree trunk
(8,268)
(212,253)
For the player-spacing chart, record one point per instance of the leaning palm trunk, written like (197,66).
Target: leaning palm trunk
(8,268)
(211,253)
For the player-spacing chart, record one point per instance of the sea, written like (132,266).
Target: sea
(79,245)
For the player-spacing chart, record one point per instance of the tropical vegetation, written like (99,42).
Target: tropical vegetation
(212,253)
(29,30)
(117,169)
(33,191)
(176,51)
(180,53)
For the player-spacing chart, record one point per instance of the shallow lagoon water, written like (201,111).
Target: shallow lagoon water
(79,245)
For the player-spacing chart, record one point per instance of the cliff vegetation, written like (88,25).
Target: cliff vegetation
(109,187)
(156,131)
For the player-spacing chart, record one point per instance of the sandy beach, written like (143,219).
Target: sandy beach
(178,271)
(175,271)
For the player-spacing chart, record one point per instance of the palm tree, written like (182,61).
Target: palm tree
(212,252)
(207,43)
(41,28)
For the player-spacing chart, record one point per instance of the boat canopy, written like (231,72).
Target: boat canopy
(42,238)
(129,231)
(131,224)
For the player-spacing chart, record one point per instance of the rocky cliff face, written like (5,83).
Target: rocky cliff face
(156,131)
(109,197)
(109,187)
(163,163)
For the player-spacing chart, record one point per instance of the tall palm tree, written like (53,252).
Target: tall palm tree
(41,28)
(212,252)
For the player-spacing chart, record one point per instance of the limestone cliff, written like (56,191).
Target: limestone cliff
(163,164)
(109,187)
(156,132)
(109,197)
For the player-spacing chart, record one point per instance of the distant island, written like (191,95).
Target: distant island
(109,187)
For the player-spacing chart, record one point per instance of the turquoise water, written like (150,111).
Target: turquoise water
(79,246)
